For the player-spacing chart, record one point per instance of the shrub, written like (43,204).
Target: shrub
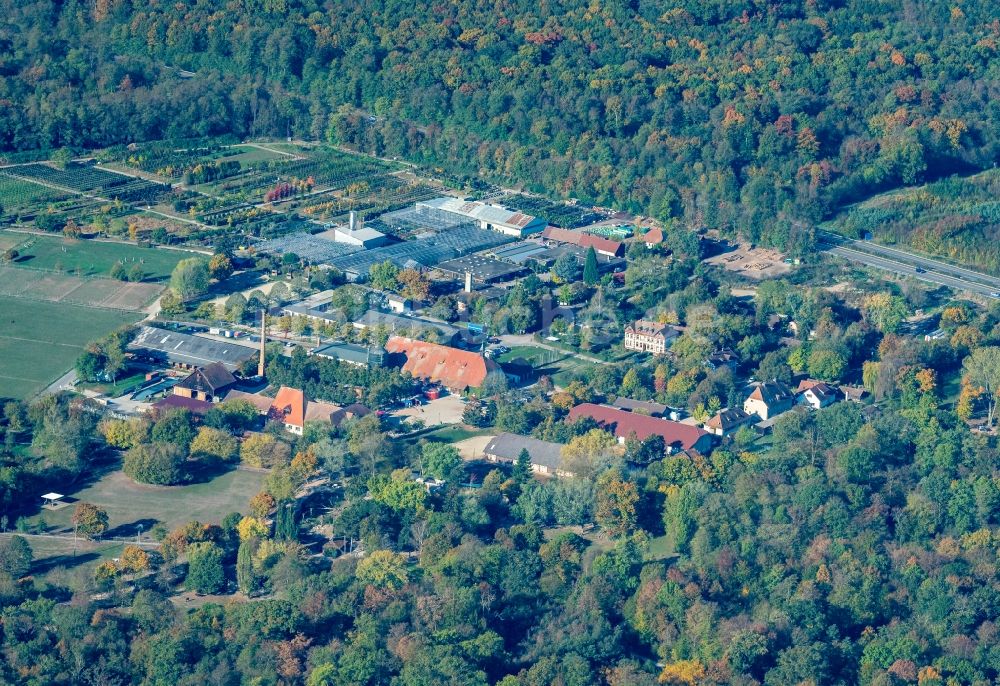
(155,463)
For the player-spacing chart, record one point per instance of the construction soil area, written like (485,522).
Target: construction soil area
(756,263)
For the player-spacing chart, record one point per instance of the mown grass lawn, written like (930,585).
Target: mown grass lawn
(130,504)
(92,258)
(40,340)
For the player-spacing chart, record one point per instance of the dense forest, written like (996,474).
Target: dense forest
(680,111)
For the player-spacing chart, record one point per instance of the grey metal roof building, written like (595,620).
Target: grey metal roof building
(546,457)
(426,251)
(351,353)
(483,268)
(488,216)
(421,217)
(649,407)
(193,351)
(401,325)
(311,248)
(520,252)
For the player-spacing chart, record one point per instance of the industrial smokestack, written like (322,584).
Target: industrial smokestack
(468,282)
(352,221)
(263,340)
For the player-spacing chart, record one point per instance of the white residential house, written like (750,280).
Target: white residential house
(649,337)
(817,394)
(769,399)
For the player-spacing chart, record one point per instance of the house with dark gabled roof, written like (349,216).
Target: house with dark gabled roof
(769,399)
(724,357)
(653,409)
(853,393)
(728,421)
(209,383)
(817,394)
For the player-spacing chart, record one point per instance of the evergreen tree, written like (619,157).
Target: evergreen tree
(522,467)
(285,526)
(590,273)
(246,577)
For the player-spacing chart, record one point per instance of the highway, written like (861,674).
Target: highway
(905,263)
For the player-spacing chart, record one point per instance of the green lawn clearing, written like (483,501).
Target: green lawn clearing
(533,354)
(41,340)
(660,548)
(92,258)
(561,366)
(49,553)
(249,156)
(125,385)
(129,504)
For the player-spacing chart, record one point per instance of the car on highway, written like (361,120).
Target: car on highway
(919,270)
(995,294)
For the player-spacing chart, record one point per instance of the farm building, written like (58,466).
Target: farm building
(182,349)
(816,394)
(520,252)
(652,237)
(728,421)
(724,357)
(425,250)
(629,425)
(457,370)
(490,217)
(179,402)
(483,269)
(602,246)
(546,457)
(315,307)
(292,408)
(653,409)
(209,383)
(363,237)
(407,325)
(350,353)
(314,249)
(397,303)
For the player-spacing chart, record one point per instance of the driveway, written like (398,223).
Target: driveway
(472,448)
(446,410)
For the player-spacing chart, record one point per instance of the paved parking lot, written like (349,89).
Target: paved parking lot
(446,410)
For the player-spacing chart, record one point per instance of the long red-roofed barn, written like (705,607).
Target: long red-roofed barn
(601,245)
(457,370)
(625,425)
